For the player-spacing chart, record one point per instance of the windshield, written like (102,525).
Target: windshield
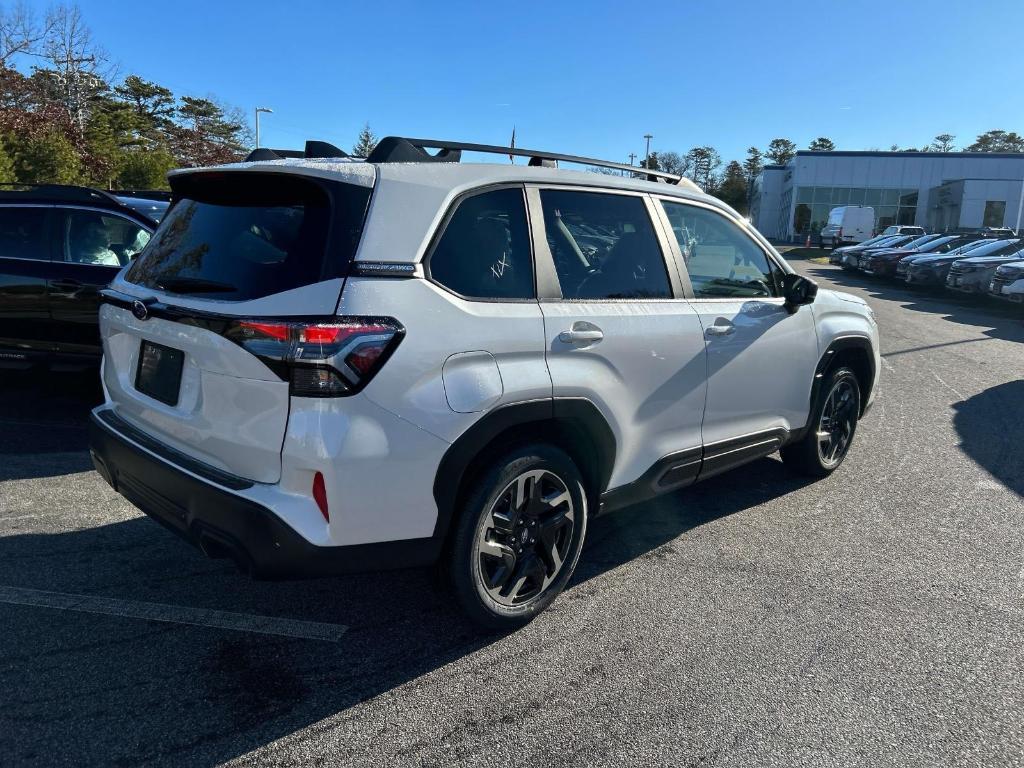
(876,239)
(998,248)
(154,209)
(921,241)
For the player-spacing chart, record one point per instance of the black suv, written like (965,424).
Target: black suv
(59,245)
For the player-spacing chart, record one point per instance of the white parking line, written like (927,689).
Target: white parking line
(174,614)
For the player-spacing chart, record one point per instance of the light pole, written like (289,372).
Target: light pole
(258,110)
(647,154)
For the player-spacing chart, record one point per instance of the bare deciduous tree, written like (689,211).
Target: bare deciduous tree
(80,67)
(22,32)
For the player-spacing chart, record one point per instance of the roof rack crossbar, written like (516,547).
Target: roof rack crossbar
(541,155)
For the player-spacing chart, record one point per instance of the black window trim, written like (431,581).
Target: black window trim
(57,249)
(551,290)
(443,226)
(677,253)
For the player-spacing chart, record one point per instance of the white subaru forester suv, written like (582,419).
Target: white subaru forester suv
(322,364)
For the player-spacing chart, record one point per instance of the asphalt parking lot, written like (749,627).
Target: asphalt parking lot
(874,618)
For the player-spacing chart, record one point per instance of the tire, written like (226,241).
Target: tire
(518,537)
(835,413)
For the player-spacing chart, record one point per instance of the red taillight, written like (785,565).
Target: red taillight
(320,495)
(254,329)
(320,359)
(320,334)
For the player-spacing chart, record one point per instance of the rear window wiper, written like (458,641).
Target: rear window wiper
(194,285)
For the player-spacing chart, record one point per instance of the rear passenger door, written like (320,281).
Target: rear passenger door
(619,333)
(24,260)
(761,359)
(92,246)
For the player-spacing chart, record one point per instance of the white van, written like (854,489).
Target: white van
(848,225)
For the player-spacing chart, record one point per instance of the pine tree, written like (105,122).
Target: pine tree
(6,166)
(780,151)
(146,170)
(365,143)
(822,144)
(753,165)
(47,159)
(733,188)
(997,141)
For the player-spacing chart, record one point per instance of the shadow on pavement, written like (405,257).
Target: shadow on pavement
(46,413)
(996,319)
(991,429)
(109,690)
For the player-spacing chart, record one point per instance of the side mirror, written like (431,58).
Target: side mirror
(798,290)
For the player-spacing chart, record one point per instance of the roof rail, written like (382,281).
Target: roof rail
(397,149)
(313,150)
(64,192)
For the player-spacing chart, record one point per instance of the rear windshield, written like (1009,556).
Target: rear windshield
(243,236)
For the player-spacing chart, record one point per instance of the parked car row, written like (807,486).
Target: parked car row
(969,263)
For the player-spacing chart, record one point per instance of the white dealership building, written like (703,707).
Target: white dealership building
(936,190)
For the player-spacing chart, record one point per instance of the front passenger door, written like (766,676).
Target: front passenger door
(92,247)
(761,358)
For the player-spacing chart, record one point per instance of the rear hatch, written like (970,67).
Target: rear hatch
(194,329)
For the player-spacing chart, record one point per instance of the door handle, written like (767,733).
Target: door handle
(66,285)
(581,333)
(721,330)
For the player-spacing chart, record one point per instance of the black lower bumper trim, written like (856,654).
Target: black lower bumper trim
(223,524)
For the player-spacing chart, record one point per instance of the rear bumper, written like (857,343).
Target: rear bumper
(224,524)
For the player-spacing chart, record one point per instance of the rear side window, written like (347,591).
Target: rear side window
(244,236)
(484,251)
(604,246)
(23,233)
(91,237)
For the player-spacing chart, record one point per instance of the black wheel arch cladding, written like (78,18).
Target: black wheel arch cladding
(573,424)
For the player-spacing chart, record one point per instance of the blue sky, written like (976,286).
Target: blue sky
(589,77)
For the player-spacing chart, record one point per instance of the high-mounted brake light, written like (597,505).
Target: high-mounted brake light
(321,359)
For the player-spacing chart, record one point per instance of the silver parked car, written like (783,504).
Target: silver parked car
(974,273)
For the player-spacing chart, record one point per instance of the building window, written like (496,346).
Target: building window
(995,212)
(892,205)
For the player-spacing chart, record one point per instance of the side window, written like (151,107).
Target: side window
(604,246)
(92,237)
(721,259)
(484,252)
(23,233)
